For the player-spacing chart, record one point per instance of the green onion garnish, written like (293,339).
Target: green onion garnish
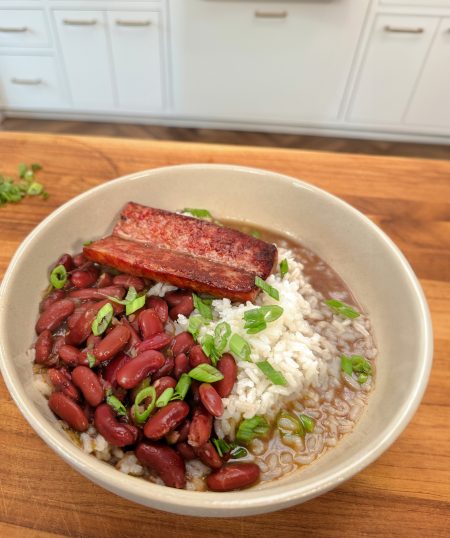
(131,302)
(221,335)
(256,234)
(182,387)
(209,348)
(267,288)
(222,446)
(87,243)
(284,267)
(142,395)
(205,373)
(203,308)
(308,423)
(117,405)
(136,304)
(240,347)
(251,428)
(165,397)
(91,360)
(199,213)
(238,452)
(362,378)
(256,319)
(103,319)
(269,371)
(346,365)
(289,424)
(195,323)
(338,307)
(357,364)
(58,277)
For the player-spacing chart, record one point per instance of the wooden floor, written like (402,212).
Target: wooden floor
(319,143)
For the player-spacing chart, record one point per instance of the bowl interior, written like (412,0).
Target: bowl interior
(373,268)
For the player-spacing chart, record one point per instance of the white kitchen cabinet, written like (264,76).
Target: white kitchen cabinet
(431,101)
(30,82)
(23,28)
(264,61)
(137,58)
(395,54)
(83,39)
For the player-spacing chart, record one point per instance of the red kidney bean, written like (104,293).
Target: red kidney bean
(128,281)
(166,420)
(113,366)
(62,383)
(78,313)
(194,394)
(166,369)
(140,367)
(185,307)
(164,461)
(149,324)
(200,428)
(183,430)
(164,383)
(185,451)
(182,343)
(92,341)
(82,327)
(211,399)
(54,315)
(227,367)
(197,356)
(43,347)
(86,380)
(104,280)
(58,342)
(68,410)
(134,337)
(98,293)
(208,455)
(79,259)
(84,278)
(113,342)
(70,355)
(157,341)
(67,261)
(175,297)
(182,365)
(233,476)
(160,307)
(115,432)
(55,295)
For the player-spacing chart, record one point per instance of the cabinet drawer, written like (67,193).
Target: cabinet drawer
(394,56)
(25,28)
(30,82)
(421,3)
(84,45)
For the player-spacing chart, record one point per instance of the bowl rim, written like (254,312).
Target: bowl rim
(208,503)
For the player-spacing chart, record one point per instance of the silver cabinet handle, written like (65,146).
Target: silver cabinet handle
(74,22)
(398,30)
(13,29)
(133,23)
(26,81)
(271,14)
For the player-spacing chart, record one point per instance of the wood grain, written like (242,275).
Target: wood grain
(406,492)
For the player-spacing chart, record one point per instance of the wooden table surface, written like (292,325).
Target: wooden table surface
(406,492)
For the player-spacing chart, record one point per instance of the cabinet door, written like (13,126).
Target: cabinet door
(23,28)
(83,39)
(135,40)
(279,61)
(431,102)
(396,51)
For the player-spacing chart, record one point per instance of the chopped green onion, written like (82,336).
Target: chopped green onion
(267,288)
(251,428)
(35,167)
(136,304)
(222,446)
(221,335)
(165,397)
(195,323)
(117,405)
(91,360)
(131,294)
(209,348)
(35,189)
(338,307)
(308,423)
(205,373)
(142,395)
(199,213)
(87,243)
(357,364)
(289,424)
(58,277)
(256,234)
(284,267)
(346,365)
(203,308)
(269,371)
(238,452)
(103,319)
(182,387)
(256,319)
(240,347)
(22,170)
(362,378)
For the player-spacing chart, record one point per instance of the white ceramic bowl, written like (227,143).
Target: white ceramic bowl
(361,253)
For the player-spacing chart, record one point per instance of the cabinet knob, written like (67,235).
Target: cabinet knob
(133,23)
(13,29)
(400,30)
(271,14)
(26,81)
(80,22)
